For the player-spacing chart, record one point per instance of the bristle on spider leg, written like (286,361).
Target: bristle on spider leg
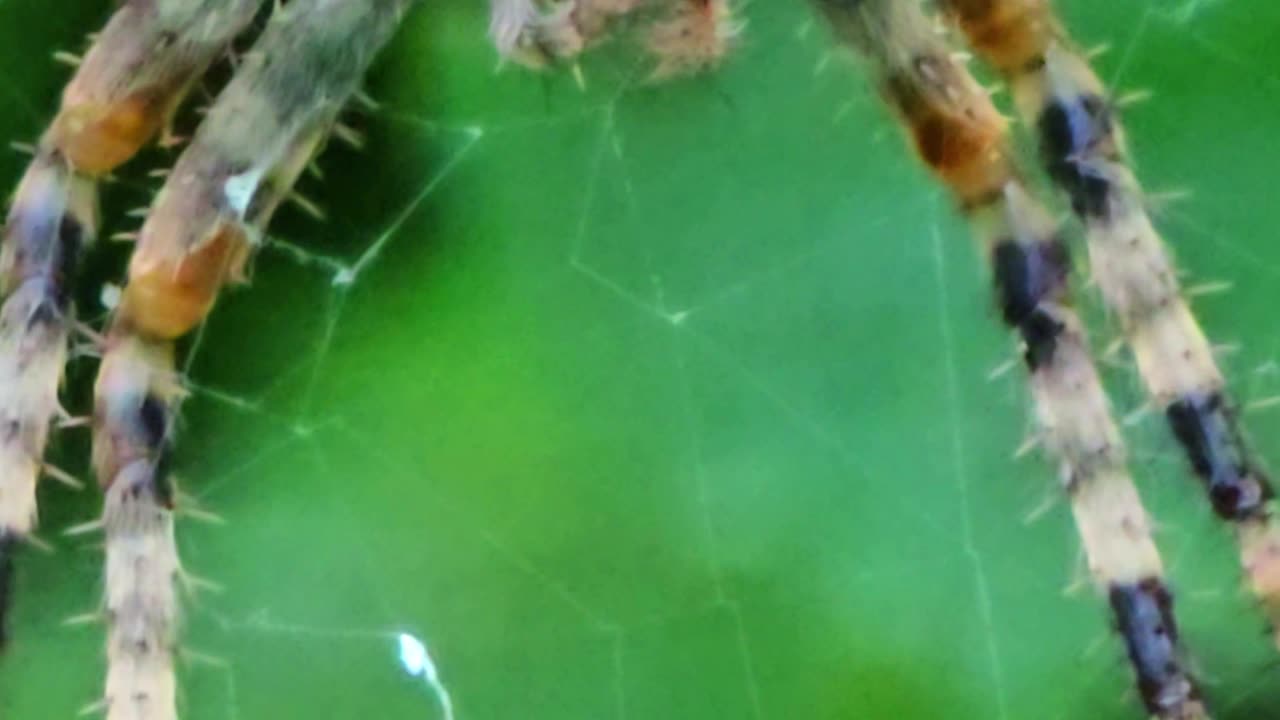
(1161,200)
(1262,404)
(1002,369)
(1028,446)
(194,584)
(199,515)
(349,135)
(67,58)
(366,101)
(89,618)
(1042,508)
(308,206)
(1133,97)
(195,657)
(68,422)
(58,474)
(1137,415)
(88,333)
(38,543)
(1209,288)
(96,707)
(84,528)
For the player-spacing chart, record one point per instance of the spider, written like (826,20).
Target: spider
(960,135)
(255,140)
(281,106)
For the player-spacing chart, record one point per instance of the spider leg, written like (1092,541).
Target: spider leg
(538,33)
(1083,149)
(257,138)
(689,36)
(694,36)
(135,73)
(960,135)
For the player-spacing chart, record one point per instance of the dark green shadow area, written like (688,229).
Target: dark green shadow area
(665,402)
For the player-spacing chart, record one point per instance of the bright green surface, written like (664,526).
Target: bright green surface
(664,402)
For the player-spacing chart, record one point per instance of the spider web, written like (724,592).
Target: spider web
(672,402)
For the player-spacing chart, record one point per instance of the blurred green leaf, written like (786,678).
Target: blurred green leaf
(662,401)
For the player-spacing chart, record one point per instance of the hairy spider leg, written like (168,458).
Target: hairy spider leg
(258,137)
(694,36)
(538,33)
(123,93)
(684,36)
(1082,147)
(964,141)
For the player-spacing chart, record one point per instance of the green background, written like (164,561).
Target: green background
(660,402)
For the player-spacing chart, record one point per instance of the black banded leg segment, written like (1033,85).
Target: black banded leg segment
(154,421)
(1078,131)
(1026,275)
(1206,428)
(43,239)
(1082,147)
(960,135)
(49,222)
(1072,130)
(132,448)
(1144,618)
